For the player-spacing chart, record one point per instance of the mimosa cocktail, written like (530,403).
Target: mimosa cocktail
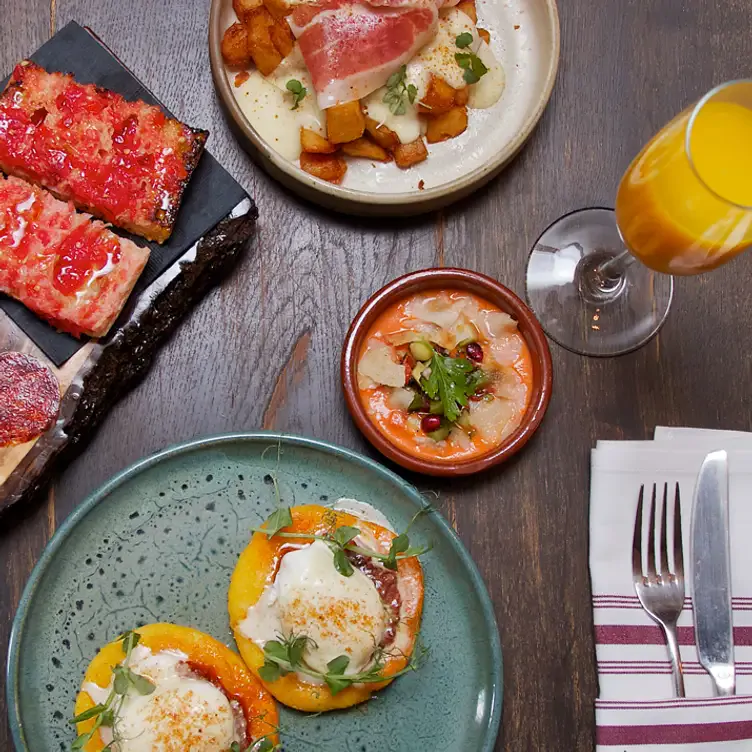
(684,206)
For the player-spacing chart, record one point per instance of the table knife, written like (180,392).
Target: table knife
(711,573)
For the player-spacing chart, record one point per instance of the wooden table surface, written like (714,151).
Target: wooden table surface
(263,349)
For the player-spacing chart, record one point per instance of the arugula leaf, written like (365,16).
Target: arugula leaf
(472,65)
(448,382)
(337,683)
(298,92)
(278,520)
(342,563)
(464,40)
(344,534)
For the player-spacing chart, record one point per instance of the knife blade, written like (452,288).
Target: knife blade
(711,573)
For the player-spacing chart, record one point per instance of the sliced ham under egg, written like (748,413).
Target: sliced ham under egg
(351,48)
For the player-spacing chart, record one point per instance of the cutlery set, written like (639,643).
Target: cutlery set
(659,579)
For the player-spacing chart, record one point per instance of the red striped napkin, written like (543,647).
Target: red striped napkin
(635,709)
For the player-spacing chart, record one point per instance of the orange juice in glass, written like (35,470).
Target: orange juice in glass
(684,206)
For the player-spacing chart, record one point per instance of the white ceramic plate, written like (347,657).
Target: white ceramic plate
(524,38)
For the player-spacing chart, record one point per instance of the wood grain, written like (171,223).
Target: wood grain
(264,347)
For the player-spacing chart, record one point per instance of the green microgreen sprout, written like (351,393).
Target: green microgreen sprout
(285,655)
(298,92)
(399,92)
(473,67)
(106,714)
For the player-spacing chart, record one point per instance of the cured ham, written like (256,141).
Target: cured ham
(351,48)
(71,271)
(125,162)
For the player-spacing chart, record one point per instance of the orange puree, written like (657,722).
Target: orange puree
(394,423)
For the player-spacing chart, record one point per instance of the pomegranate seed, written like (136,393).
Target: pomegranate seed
(474,352)
(430,423)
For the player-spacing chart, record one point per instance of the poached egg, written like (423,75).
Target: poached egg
(341,615)
(184,712)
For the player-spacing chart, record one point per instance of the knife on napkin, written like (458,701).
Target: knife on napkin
(711,573)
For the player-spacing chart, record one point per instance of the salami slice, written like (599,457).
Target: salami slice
(29,398)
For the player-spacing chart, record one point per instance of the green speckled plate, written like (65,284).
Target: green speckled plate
(159,543)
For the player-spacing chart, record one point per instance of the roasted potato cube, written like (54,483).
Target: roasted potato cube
(468,8)
(345,122)
(262,49)
(278,8)
(448,125)
(439,97)
(407,155)
(461,96)
(328,167)
(485,35)
(235,46)
(243,7)
(385,137)
(282,38)
(364,147)
(313,143)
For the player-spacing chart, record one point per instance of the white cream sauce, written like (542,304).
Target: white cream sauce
(364,511)
(267,104)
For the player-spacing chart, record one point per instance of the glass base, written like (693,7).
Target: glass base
(583,310)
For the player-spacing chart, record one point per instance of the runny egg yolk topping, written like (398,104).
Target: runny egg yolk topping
(340,615)
(183,712)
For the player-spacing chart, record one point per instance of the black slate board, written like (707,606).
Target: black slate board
(211,195)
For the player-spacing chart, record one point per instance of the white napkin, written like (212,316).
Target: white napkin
(636,710)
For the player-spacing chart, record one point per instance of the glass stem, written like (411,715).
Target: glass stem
(613,269)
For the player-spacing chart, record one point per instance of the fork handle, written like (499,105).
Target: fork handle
(673,651)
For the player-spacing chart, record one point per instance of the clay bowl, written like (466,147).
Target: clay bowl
(491,290)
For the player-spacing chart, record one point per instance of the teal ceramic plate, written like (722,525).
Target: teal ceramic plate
(159,543)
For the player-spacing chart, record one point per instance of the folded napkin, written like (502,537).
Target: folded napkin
(636,710)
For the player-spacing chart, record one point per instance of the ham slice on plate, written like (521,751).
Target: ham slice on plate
(351,48)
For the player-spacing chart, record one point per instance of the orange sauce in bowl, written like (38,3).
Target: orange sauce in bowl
(401,427)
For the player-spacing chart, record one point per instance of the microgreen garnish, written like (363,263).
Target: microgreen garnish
(472,65)
(298,92)
(398,91)
(464,40)
(340,541)
(286,654)
(108,712)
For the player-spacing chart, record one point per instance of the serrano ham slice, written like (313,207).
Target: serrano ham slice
(351,48)
(71,271)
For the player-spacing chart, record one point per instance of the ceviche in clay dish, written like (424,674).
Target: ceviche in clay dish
(443,379)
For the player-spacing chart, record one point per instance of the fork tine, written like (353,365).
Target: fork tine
(652,572)
(637,538)
(664,565)
(678,548)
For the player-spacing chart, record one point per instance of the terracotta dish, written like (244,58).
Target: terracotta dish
(496,294)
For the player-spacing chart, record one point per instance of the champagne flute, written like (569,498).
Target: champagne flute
(599,279)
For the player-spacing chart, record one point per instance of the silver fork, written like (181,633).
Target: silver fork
(660,591)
